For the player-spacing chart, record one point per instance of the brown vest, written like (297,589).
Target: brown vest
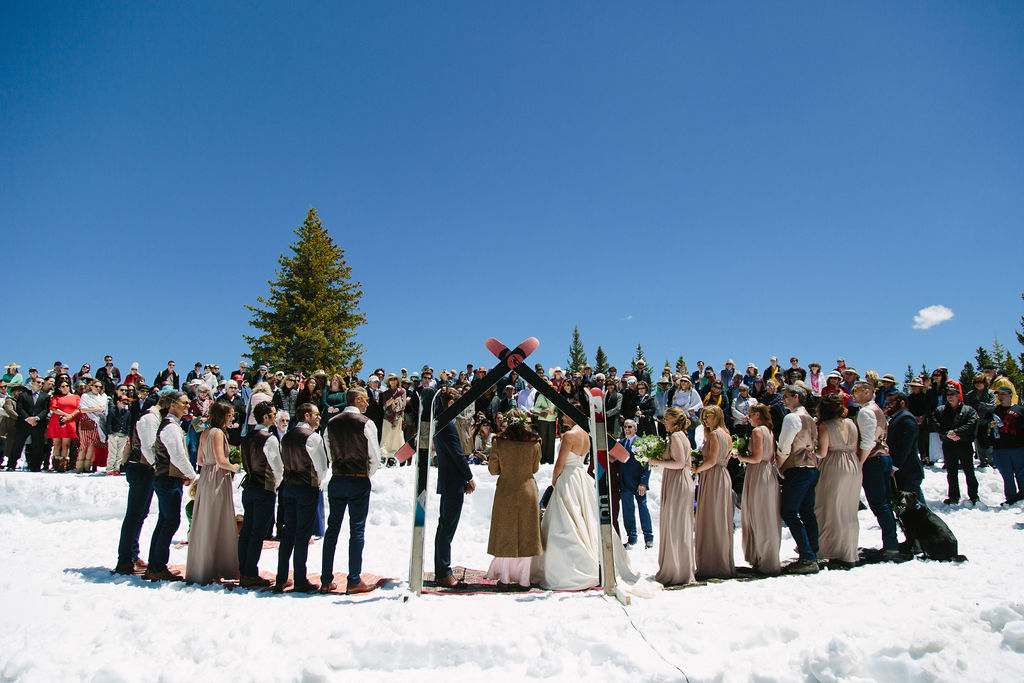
(258,474)
(298,466)
(802,453)
(881,430)
(350,454)
(163,465)
(135,454)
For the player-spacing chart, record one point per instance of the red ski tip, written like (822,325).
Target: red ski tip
(515,356)
(406,452)
(619,452)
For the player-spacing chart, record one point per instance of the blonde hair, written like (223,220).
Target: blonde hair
(262,387)
(715,417)
(677,415)
(871,377)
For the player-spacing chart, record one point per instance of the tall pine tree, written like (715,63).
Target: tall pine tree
(600,361)
(982,357)
(967,376)
(680,364)
(907,377)
(577,356)
(310,317)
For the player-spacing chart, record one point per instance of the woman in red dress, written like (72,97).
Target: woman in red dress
(61,427)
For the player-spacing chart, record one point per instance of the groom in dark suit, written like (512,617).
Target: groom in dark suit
(454,480)
(32,405)
(902,439)
(633,482)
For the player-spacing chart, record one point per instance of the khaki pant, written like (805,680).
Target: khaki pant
(117,451)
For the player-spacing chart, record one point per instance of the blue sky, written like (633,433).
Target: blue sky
(708,179)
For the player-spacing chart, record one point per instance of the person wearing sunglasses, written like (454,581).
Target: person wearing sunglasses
(61,427)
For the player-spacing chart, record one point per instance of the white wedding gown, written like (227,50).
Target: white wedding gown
(571,534)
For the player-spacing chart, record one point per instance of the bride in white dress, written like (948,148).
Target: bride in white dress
(570,530)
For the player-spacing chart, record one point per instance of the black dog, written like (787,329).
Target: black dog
(924,529)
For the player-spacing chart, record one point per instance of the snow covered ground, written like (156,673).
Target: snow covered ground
(67,618)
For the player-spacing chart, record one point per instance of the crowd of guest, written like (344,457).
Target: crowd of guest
(815,440)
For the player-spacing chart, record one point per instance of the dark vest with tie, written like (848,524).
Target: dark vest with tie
(298,466)
(163,465)
(258,474)
(350,453)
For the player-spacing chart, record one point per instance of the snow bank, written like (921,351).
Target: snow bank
(67,618)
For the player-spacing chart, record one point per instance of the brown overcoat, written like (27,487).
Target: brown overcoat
(515,517)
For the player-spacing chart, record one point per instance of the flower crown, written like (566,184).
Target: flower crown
(521,420)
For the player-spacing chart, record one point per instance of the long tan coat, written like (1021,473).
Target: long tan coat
(515,517)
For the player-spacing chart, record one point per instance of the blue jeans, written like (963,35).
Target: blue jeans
(876,474)
(258,508)
(298,509)
(354,493)
(168,500)
(797,507)
(140,497)
(1010,463)
(447,522)
(627,496)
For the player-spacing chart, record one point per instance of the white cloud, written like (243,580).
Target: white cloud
(628,317)
(931,316)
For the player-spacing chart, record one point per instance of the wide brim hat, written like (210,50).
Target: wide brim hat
(915,383)
(12,365)
(889,378)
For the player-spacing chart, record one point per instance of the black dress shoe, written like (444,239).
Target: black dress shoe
(124,568)
(305,587)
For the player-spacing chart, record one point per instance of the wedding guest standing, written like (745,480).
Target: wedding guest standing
(305,466)
(837,495)
(876,465)
(675,532)
(61,427)
(760,520)
(956,423)
(393,399)
(139,473)
(351,443)
(798,466)
(714,526)
(515,515)
(91,425)
(172,472)
(261,457)
(544,409)
(634,479)
(454,481)
(213,537)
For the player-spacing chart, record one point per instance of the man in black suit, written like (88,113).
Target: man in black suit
(454,480)
(902,440)
(32,406)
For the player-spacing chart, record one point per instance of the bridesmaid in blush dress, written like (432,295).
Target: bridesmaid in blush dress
(714,528)
(675,531)
(213,538)
(761,520)
(837,495)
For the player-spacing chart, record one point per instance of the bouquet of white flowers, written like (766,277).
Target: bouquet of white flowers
(650,447)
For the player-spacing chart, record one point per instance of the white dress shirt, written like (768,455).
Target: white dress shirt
(272,451)
(868,425)
(317,453)
(174,441)
(147,427)
(791,426)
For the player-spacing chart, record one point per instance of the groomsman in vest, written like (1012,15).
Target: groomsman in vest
(261,457)
(351,444)
(172,470)
(634,479)
(797,460)
(876,465)
(139,472)
(454,480)
(305,466)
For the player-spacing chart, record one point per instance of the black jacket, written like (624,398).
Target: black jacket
(902,440)
(963,421)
